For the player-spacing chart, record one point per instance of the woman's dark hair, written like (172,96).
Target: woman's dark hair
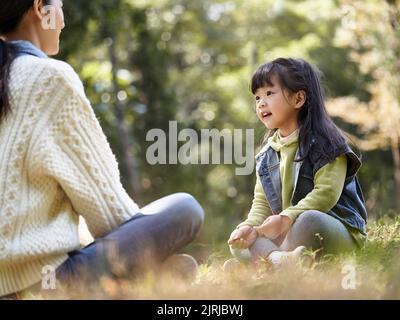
(319,137)
(11,14)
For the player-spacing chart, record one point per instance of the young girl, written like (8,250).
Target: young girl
(56,165)
(307,194)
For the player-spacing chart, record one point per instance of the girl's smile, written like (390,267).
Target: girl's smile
(265,114)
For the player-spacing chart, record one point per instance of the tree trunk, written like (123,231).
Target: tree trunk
(122,129)
(396,163)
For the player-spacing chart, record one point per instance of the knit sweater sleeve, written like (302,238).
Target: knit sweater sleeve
(75,152)
(328,186)
(260,208)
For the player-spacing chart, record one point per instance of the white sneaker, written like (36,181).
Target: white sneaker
(231,266)
(282,258)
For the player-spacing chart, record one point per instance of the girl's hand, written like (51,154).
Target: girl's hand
(243,237)
(274,226)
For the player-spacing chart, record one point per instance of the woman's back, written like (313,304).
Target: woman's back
(55,162)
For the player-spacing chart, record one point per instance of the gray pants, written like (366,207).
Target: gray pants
(312,229)
(162,229)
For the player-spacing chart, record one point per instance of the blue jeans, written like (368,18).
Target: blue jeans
(140,244)
(313,229)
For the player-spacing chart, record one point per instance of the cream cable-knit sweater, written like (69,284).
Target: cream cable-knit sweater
(55,164)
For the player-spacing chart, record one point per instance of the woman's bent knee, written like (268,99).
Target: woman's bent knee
(192,206)
(190,209)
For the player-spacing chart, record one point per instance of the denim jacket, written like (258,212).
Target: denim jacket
(350,209)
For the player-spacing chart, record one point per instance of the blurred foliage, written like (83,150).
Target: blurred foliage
(191,61)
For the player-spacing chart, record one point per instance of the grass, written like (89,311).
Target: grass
(376,270)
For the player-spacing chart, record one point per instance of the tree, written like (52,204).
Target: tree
(145,63)
(372,31)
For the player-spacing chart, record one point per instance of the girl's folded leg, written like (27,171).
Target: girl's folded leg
(138,245)
(318,230)
(261,248)
(242,255)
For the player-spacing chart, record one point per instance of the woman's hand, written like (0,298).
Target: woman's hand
(243,237)
(274,226)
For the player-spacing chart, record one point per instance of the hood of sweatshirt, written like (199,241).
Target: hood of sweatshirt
(277,142)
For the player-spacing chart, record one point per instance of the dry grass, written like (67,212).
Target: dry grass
(376,272)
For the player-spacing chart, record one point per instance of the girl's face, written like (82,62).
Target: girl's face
(276,108)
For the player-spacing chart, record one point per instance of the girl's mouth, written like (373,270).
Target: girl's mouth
(265,114)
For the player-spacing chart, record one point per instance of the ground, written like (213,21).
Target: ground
(371,273)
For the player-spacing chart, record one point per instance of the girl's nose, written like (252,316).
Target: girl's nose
(261,103)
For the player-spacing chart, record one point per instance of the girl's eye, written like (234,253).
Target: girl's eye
(257,98)
(269,93)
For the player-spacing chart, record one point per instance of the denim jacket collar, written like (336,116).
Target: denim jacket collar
(23,47)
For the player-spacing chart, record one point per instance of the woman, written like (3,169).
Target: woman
(56,165)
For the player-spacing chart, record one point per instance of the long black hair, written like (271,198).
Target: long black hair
(319,137)
(11,14)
